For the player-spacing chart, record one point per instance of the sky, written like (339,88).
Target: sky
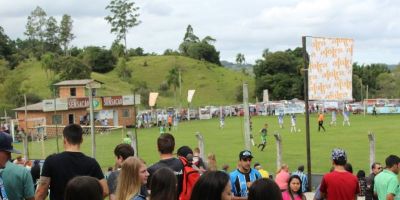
(246,27)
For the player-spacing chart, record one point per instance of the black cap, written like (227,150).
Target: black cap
(245,154)
(6,143)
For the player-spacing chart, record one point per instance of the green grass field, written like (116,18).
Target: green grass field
(212,83)
(227,143)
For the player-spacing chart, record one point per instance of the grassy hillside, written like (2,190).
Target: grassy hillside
(214,85)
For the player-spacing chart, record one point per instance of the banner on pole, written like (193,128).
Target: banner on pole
(330,69)
(190,95)
(153,98)
(265,96)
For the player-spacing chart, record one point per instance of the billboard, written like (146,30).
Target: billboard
(330,69)
(48,104)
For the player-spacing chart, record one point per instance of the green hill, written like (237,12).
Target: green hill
(214,85)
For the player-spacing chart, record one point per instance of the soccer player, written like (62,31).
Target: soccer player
(293,128)
(263,133)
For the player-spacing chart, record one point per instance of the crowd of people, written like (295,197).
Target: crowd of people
(71,175)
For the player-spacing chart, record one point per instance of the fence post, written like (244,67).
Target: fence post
(371,138)
(133,137)
(200,141)
(278,139)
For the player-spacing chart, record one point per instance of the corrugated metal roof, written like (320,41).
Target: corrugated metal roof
(76,82)
(32,107)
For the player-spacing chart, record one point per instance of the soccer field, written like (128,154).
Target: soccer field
(227,143)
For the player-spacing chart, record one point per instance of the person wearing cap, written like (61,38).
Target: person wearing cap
(60,168)
(339,184)
(243,176)
(15,181)
(386,183)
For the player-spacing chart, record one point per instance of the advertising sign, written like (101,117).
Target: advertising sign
(330,69)
(48,104)
(75,103)
(153,98)
(112,101)
(190,95)
(129,100)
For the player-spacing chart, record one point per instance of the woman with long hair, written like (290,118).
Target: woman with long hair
(132,177)
(212,185)
(212,162)
(294,191)
(264,188)
(163,185)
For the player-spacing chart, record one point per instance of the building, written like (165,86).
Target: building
(72,106)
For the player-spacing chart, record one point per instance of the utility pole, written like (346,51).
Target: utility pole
(54,118)
(246,117)
(308,145)
(25,139)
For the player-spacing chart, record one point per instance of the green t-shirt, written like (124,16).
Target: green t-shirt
(127,140)
(17,182)
(386,183)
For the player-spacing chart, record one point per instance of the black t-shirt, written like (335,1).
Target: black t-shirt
(174,164)
(61,168)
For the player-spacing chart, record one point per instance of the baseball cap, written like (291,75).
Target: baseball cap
(339,154)
(245,154)
(6,143)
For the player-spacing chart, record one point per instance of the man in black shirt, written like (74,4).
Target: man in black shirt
(58,169)
(166,145)
(376,169)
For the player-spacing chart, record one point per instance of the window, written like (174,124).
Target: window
(72,92)
(126,113)
(56,119)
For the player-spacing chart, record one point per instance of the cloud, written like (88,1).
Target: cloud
(247,27)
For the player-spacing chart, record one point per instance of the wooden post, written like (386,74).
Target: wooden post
(371,138)
(92,122)
(200,143)
(278,140)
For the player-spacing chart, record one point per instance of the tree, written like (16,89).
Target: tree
(51,35)
(117,50)
(7,49)
(123,17)
(279,73)
(50,63)
(240,58)
(72,68)
(66,35)
(36,24)
(36,31)
(173,78)
(124,72)
(99,59)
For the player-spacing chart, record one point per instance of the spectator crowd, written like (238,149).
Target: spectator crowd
(71,175)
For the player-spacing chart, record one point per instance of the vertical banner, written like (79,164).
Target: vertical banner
(153,98)
(190,95)
(265,96)
(330,69)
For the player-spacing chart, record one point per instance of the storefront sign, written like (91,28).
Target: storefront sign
(48,104)
(74,103)
(112,101)
(128,100)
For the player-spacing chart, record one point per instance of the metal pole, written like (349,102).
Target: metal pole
(92,122)
(55,115)
(306,62)
(246,134)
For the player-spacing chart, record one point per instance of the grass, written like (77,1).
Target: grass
(227,143)
(212,83)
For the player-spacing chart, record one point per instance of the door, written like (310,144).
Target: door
(71,119)
(115,117)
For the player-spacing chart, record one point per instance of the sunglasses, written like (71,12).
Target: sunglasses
(246,159)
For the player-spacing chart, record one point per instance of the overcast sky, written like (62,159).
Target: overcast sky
(239,26)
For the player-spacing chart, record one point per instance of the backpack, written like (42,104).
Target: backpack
(190,177)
